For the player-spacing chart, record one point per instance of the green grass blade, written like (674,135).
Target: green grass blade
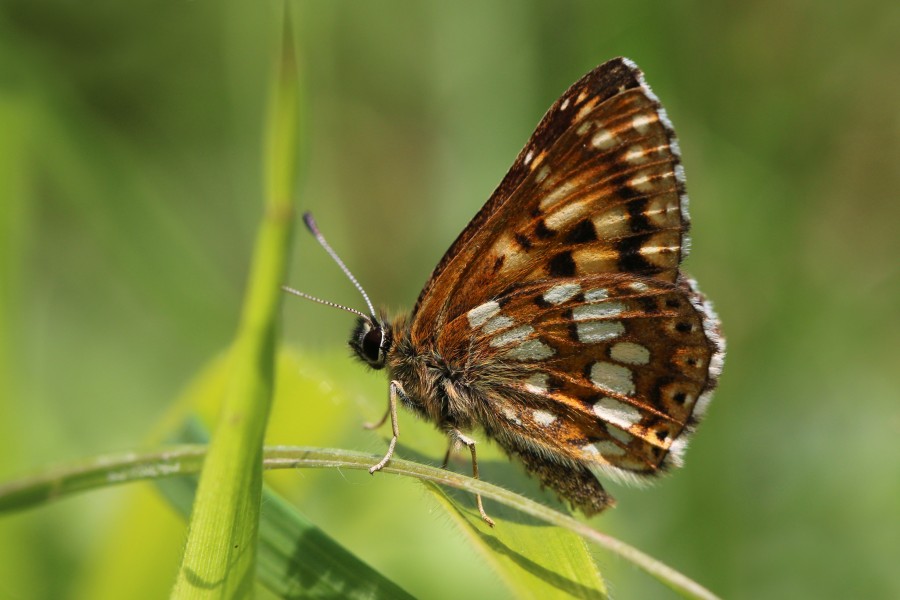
(296,558)
(220,553)
(103,471)
(533,559)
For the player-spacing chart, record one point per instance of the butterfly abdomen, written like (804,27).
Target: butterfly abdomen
(571,480)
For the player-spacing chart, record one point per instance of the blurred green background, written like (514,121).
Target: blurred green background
(130,186)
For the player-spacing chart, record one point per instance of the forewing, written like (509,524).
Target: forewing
(597,189)
(606,370)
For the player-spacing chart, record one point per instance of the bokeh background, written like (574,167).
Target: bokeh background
(130,186)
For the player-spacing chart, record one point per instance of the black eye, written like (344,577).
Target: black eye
(371,344)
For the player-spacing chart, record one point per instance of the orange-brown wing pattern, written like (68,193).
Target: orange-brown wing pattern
(598,189)
(607,370)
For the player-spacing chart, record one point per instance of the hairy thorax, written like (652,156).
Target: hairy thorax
(446,392)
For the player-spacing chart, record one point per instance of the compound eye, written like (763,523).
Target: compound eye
(371,344)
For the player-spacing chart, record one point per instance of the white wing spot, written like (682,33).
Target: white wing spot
(631,353)
(509,336)
(614,378)
(640,183)
(590,450)
(542,417)
(542,174)
(564,105)
(639,286)
(636,154)
(596,295)
(561,217)
(589,312)
(537,383)
(562,292)
(603,139)
(591,332)
(558,193)
(618,413)
(583,128)
(529,156)
(479,315)
(497,323)
(640,122)
(612,222)
(608,448)
(622,436)
(531,350)
(584,110)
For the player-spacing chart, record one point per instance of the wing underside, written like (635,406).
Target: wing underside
(606,372)
(599,188)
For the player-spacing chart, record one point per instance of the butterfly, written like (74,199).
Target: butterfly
(559,322)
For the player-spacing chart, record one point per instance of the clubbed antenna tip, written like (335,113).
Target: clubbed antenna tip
(311,224)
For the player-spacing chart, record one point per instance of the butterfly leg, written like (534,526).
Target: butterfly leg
(457,437)
(453,445)
(396,390)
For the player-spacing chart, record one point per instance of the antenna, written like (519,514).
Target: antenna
(320,301)
(314,229)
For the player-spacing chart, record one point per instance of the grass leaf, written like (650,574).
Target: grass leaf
(220,553)
(296,558)
(533,559)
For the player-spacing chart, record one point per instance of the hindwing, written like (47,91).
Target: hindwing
(610,371)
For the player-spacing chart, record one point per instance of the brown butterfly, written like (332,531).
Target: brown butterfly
(559,321)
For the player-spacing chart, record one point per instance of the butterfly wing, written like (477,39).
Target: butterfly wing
(562,303)
(607,373)
(597,189)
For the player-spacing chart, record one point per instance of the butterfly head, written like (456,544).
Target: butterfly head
(371,341)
